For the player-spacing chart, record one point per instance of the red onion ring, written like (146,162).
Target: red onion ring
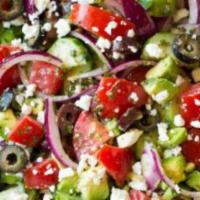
(19,57)
(53,136)
(194,8)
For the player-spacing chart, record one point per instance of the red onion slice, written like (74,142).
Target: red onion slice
(159,172)
(20,57)
(29,6)
(64,98)
(131,65)
(194,7)
(149,166)
(53,136)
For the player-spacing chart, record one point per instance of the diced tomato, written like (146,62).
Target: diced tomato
(117,161)
(41,175)
(138,195)
(47,77)
(117,95)
(96,20)
(11,78)
(191,148)
(190,110)
(89,134)
(27,132)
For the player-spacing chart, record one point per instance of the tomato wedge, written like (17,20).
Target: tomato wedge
(27,132)
(97,21)
(116,95)
(190,107)
(117,161)
(47,77)
(89,134)
(191,148)
(41,175)
(11,78)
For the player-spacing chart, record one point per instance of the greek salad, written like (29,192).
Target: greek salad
(100,99)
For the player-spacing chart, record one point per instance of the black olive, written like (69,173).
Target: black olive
(127,47)
(12,159)
(67,116)
(129,117)
(186,48)
(10,9)
(148,122)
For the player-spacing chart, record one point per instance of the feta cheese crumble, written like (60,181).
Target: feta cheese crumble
(195,124)
(137,168)
(133,96)
(129,138)
(154,50)
(30,31)
(118,194)
(161,96)
(162,131)
(172,152)
(111,25)
(84,102)
(197,102)
(64,173)
(179,121)
(103,44)
(62,27)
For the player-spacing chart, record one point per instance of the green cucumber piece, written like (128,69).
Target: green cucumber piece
(166,68)
(174,167)
(160,89)
(176,137)
(194,180)
(93,191)
(160,46)
(73,53)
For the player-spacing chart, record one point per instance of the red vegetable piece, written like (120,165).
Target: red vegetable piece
(190,109)
(11,78)
(96,21)
(89,134)
(191,148)
(117,161)
(47,77)
(41,175)
(27,132)
(117,95)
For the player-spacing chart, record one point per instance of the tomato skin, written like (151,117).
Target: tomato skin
(88,17)
(117,161)
(84,140)
(47,77)
(138,195)
(11,78)
(191,148)
(137,74)
(189,110)
(27,132)
(114,96)
(41,175)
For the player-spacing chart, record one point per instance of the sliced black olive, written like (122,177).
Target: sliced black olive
(148,122)
(12,159)
(186,48)
(67,116)
(129,117)
(10,9)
